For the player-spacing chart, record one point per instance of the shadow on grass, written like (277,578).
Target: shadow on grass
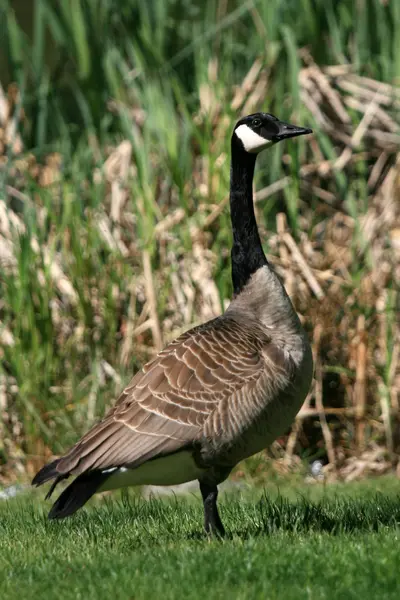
(334,516)
(158,521)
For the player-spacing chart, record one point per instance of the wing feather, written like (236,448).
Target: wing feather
(191,389)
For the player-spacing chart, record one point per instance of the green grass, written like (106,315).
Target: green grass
(341,544)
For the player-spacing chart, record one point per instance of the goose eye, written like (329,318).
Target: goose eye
(256,122)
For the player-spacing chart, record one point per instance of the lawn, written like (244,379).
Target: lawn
(307,542)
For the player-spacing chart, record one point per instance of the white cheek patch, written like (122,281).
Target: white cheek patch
(252,142)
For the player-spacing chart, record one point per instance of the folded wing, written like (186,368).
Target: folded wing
(168,404)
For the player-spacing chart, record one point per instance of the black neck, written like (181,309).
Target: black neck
(247,253)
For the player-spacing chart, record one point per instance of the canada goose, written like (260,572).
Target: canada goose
(218,393)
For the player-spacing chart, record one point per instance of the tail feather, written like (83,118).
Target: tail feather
(77,494)
(46,473)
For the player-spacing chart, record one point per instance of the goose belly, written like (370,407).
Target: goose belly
(167,470)
(275,418)
(273,422)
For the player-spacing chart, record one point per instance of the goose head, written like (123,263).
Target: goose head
(256,132)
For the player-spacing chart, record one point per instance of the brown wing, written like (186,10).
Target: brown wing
(167,404)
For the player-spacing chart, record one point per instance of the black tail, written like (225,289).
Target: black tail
(77,494)
(49,472)
(46,473)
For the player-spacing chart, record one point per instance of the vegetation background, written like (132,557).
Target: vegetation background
(115,122)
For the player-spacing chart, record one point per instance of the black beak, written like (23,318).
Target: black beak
(288,131)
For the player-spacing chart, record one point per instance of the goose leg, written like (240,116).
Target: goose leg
(212,521)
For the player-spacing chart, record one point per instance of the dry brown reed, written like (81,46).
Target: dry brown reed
(342,270)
